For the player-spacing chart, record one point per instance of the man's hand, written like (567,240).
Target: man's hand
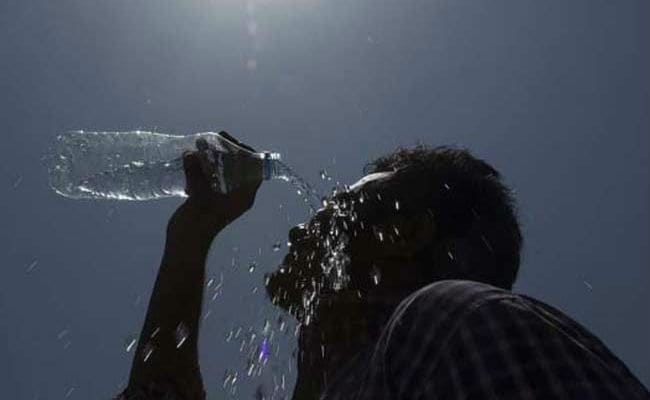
(207,210)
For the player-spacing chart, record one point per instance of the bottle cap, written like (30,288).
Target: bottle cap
(267,161)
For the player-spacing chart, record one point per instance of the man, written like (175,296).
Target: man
(402,287)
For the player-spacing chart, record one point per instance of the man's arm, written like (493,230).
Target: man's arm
(166,358)
(167,352)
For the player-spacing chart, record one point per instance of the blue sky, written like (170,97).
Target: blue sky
(554,94)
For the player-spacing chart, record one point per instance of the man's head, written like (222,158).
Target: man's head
(419,215)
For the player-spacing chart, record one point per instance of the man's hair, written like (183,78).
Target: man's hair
(477,235)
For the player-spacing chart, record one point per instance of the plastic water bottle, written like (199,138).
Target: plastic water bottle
(141,165)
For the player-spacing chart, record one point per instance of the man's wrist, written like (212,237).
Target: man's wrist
(192,221)
(192,237)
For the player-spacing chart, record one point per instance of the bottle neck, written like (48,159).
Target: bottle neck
(270,165)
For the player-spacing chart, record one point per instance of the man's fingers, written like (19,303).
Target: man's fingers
(208,156)
(195,179)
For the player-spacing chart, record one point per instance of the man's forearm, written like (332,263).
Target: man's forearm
(168,345)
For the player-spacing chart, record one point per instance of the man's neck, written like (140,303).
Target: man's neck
(340,330)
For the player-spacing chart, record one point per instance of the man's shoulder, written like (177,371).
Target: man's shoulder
(424,323)
(432,313)
(451,297)
(457,288)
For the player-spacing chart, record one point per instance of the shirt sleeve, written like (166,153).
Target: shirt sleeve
(498,346)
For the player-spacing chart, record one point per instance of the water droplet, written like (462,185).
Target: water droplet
(475,214)
(148,351)
(397,205)
(447,187)
(263,353)
(451,256)
(220,283)
(487,244)
(18,179)
(251,267)
(376,275)
(277,246)
(324,175)
(181,335)
(62,334)
(69,392)
(31,266)
(226,379)
(588,285)
(131,341)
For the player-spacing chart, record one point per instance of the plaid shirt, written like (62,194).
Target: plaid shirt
(467,340)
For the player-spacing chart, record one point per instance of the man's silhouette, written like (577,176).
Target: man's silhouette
(401,284)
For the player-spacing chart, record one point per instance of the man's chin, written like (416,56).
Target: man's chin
(282,291)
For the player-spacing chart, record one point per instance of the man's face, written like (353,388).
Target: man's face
(328,254)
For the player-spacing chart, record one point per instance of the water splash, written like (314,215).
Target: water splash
(302,187)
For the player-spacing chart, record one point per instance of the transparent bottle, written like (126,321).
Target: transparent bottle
(139,165)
